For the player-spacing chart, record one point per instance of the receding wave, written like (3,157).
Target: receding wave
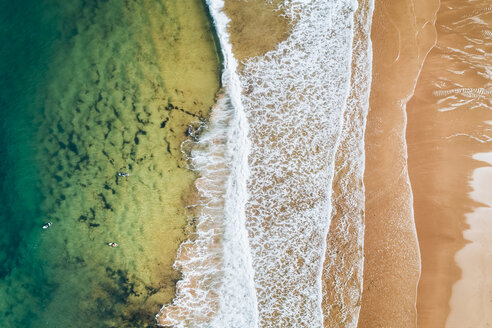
(295,98)
(267,162)
(344,259)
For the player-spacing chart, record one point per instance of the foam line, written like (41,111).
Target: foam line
(217,288)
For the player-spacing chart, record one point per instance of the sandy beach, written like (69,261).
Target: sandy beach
(445,129)
(472,294)
(412,158)
(402,34)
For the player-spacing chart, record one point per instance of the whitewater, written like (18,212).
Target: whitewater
(267,159)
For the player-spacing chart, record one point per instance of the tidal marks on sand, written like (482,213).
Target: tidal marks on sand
(467,92)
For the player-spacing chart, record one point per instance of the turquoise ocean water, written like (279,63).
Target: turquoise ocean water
(28,31)
(89,89)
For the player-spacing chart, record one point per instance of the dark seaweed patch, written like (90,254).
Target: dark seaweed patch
(73,147)
(107,205)
(60,128)
(125,286)
(170,107)
(115,112)
(193,132)
(106,154)
(79,261)
(139,119)
(163,124)
(107,187)
(82,161)
(108,125)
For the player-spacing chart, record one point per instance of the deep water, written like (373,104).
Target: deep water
(28,30)
(89,89)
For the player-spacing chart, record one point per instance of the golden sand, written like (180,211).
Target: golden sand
(445,128)
(402,34)
(472,294)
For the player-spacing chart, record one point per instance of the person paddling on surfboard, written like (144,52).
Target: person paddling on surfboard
(47,225)
(113,244)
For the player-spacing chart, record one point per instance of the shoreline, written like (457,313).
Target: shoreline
(471,295)
(209,262)
(344,258)
(243,29)
(440,156)
(392,257)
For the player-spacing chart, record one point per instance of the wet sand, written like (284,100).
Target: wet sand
(402,35)
(441,166)
(344,257)
(256,27)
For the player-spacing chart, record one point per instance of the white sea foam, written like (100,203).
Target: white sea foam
(217,287)
(267,163)
(295,99)
(344,259)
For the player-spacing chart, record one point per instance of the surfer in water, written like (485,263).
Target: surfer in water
(123,174)
(47,225)
(113,244)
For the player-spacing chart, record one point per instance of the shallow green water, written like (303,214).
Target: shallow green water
(89,89)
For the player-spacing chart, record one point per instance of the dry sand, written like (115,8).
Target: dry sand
(445,128)
(471,296)
(402,35)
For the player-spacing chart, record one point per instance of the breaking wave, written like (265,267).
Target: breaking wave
(217,287)
(267,166)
